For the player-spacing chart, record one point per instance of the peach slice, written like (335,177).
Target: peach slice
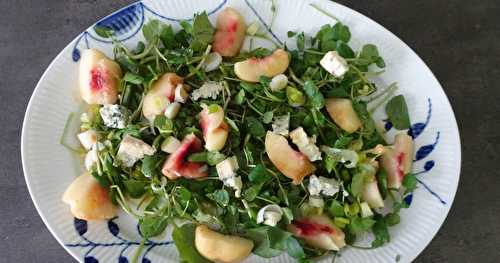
(230,33)
(251,69)
(291,163)
(88,199)
(221,248)
(371,194)
(161,94)
(215,129)
(343,114)
(99,78)
(397,162)
(176,164)
(318,231)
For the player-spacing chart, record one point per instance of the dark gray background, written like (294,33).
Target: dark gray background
(458,40)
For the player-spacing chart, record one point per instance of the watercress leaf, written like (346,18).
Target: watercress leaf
(301,41)
(152,30)
(104,31)
(382,183)
(397,111)
(150,165)
(184,241)
(315,97)
(291,34)
(392,219)
(259,174)
(357,183)
(381,232)
(267,117)
(151,226)
(359,225)
(133,78)
(220,196)
(342,142)
(336,209)
(344,50)
(164,124)
(215,157)
(240,97)
(251,192)
(369,54)
(135,188)
(200,157)
(255,127)
(341,32)
(410,183)
(329,163)
(167,37)
(202,32)
(294,248)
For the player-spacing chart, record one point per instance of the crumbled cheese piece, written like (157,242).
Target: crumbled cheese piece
(91,156)
(334,64)
(269,215)
(181,94)
(212,62)
(87,139)
(113,116)
(322,185)
(278,82)
(227,174)
(132,150)
(348,157)
(306,145)
(207,90)
(281,124)
(172,110)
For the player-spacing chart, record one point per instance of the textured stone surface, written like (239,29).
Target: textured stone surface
(457,39)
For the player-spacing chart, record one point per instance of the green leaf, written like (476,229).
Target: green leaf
(315,97)
(215,157)
(295,97)
(150,165)
(369,55)
(344,50)
(221,197)
(252,192)
(269,241)
(184,241)
(336,209)
(151,226)
(240,97)
(329,163)
(259,174)
(397,111)
(382,183)
(135,188)
(203,32)
(267,117)
(200,157)
(392,219)
(357,184)
(301,41)
(133,78)
(104,31)
(410,183)
(294,248)
(359,225)
(255,127)
(152,30)
(164,124)
(381,232)
(341,32)
(167,37)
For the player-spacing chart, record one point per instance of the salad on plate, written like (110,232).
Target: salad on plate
(240,148)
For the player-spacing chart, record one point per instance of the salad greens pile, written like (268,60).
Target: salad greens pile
(251,110)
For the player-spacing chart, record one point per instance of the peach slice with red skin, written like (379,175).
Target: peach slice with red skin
(318,231)
(215,129)
(251,69)
(230,33)
(397,162)
(161,94)
(88,199)
(291,163)
(99,78)
(176,164)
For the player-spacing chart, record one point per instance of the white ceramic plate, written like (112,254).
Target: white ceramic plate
(49,167)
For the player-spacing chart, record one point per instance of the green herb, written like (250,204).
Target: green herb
(151,226)
(315,97)
(221,197)
(397,111)
(202,32)
(183,237)
(410,183)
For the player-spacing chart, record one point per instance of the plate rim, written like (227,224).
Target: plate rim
(36,90)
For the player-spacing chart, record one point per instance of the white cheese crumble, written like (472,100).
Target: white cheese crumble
(113,116)
(278,82)
(132,150)
(212,62)
(181,94)
(227,174)
(269,215)
(334,64)
(348,157)
(87,139)
(281,124)
(209,90)
(306,145)
(91,156)
(322,185)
